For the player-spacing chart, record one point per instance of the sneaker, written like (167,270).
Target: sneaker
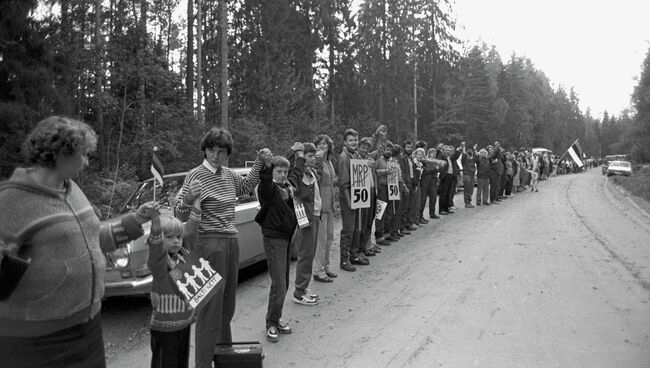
(360,261)
(272,334)
(284,328)
(331,274)
(444,213)
(375,249)
(304,300)
(435,217)
(347,266)
(312,295)
(452,208)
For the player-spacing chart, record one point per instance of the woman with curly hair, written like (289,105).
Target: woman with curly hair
(52,318)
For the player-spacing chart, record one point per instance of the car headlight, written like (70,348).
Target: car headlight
(119,258)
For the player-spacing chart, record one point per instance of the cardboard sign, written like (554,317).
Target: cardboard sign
(360,181)
(301,214)
(381,208)
(393,181)
(195,279)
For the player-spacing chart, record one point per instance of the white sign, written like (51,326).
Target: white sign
(393,181)
(381,208)
(301,214)
(195,279)
(360,179)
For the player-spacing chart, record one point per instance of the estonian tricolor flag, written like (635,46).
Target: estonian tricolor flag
(157,169)
(576,153)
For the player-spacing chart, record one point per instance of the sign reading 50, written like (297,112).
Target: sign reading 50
(360,179)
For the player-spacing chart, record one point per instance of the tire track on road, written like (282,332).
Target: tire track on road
(629,266)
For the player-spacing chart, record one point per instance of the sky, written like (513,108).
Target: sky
(597,47)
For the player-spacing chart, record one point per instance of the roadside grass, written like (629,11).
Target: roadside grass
(638,184)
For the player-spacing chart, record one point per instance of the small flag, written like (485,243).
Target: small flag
(157,169)
(576,153)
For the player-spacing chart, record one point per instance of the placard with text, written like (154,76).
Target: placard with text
(393,181)
(360,179)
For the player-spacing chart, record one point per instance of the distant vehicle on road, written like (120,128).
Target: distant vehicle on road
(126,268)
(619,168)
(611,158)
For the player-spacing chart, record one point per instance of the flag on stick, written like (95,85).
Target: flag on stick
(157,168)
(576,153)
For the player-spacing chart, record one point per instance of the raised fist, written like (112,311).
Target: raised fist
(193,192)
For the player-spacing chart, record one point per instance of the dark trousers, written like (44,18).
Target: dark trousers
(445,188)
(306,253)
(452,190)
(79,346)
(502,185)
(468,188)
(278,259)
(405,208)
(213,319)
(508,186)
(414,206)
(433,196)
(482,190)
(495,180)
(367,219)
(425,183)
(392,221)
(170,349)
(349,239)
(382,225)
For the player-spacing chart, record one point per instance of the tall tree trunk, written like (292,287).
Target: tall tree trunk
(199,56)
(383,62)
(141,87)
(224,64)
(99,75)
(189,67)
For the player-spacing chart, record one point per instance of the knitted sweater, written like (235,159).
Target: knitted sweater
(170,311)
(218,196)
(60,233)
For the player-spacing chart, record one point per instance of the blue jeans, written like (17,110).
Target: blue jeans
(278,259)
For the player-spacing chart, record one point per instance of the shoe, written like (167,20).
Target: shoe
(486,204)
(383,242)
(444,213)
(392,239)
(423,221)
(272,334)
(331,274)
(451,211)
(311,295)
(346,266)
(362,256)
(405,232)
(452,207)
(304,300)
(469,205)
(359,261)
(478,204)
(375,249)
(322,278)
(284,328)
(368,253)
(435,217)
(412,227)
(400,234)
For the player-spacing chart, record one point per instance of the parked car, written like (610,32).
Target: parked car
(126,268)
(619,168)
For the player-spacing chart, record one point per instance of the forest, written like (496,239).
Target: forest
(147,73)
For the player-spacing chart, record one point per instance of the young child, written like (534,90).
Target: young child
(278,221)
(303,177)
(172,316)
(483,177)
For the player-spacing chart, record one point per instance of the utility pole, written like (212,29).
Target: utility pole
(199,83)
(224,65)
(415,102)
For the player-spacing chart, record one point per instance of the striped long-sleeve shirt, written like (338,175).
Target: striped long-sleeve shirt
(220,189)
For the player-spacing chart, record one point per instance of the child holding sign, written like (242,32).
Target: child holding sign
(303,177)
(172,315)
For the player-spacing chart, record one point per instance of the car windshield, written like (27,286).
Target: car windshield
(165,196)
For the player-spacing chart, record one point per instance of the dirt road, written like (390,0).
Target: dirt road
(558,278)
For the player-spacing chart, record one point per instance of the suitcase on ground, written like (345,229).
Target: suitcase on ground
(238,355)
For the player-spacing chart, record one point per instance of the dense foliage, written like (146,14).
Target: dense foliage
(295,68)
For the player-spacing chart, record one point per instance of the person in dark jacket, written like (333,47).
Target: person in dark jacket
(278,221)
(483,177)
(469,169)
(448,170)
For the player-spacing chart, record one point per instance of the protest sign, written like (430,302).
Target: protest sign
(360,179)
(195,279)
(393,181)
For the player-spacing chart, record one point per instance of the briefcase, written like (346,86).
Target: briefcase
(238,355)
